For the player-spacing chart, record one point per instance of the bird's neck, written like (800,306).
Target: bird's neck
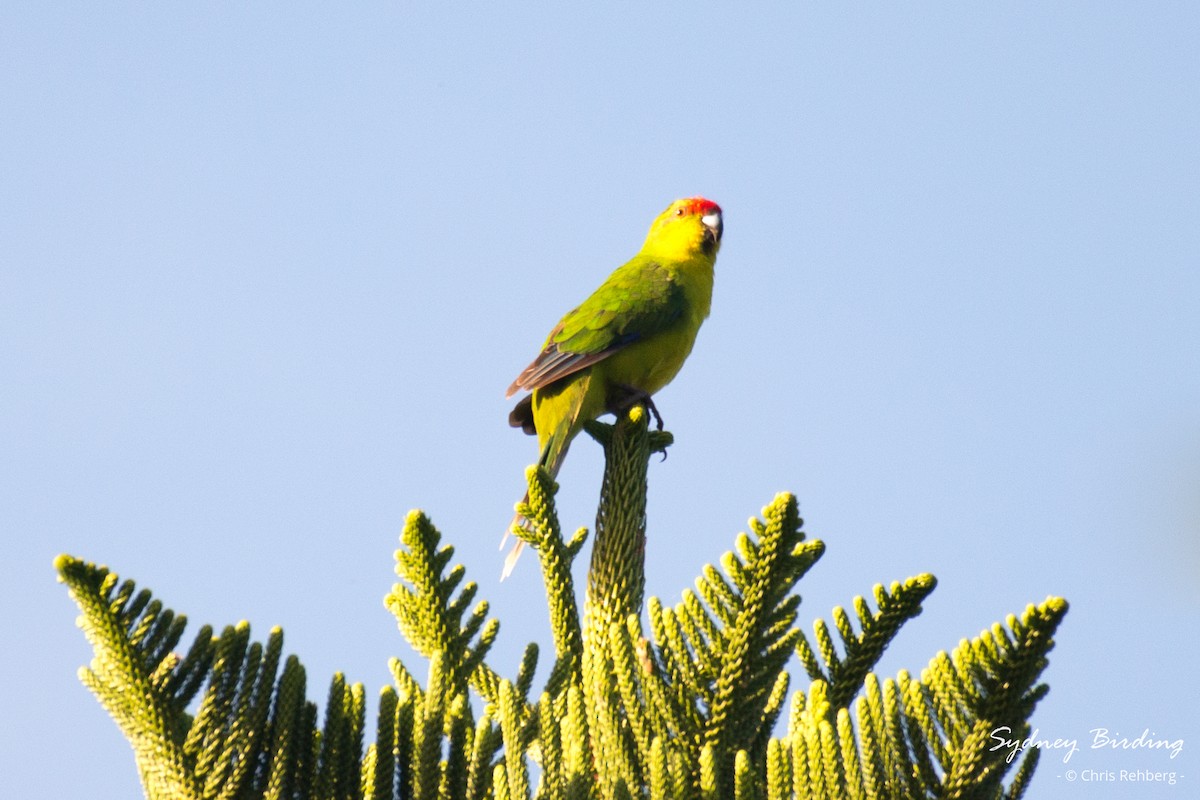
(695,275)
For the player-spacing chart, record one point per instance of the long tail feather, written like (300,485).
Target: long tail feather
(552,467)
(510,560)
(553,453)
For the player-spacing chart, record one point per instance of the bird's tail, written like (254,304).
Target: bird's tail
(553,453)
(551,461)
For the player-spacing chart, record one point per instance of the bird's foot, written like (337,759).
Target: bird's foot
(622,398)
(649,404)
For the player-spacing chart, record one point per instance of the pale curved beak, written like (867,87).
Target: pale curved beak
(713,223)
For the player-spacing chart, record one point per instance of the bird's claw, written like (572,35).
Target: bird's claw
(649,404)
(629,397)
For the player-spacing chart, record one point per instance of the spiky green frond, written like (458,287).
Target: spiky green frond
(556,556)
(844,673)
(253,734)
(714,674)
(431,614)
(755,648)
(930,737)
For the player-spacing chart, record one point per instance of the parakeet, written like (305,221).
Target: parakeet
(627,340)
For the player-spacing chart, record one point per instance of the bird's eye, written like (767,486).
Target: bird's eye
(679,212)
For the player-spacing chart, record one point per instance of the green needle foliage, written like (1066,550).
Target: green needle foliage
(642,700)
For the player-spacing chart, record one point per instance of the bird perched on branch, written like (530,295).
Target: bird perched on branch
(626,341)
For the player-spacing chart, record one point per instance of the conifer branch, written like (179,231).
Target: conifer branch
(617,574)
(1001,673)
(616,582)
(431,616)
(542,532)
(250,736)
(844,674)
(380,779)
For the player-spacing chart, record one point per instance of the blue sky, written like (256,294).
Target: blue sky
(265,274)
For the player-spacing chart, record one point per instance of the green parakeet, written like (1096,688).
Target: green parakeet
(627,340)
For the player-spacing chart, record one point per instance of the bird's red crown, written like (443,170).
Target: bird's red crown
(700,206)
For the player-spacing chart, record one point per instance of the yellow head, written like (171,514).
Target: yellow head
(688,228)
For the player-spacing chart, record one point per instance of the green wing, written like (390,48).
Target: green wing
(637,301)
